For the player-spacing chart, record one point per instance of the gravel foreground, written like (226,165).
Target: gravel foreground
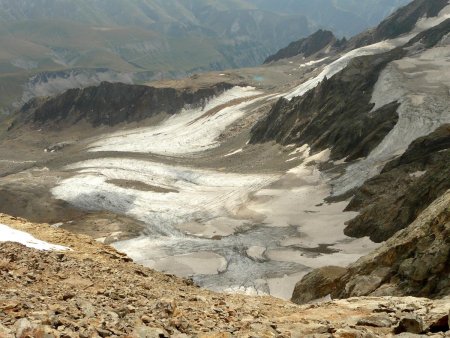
(95,291)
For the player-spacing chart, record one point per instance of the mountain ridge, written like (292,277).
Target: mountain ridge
(158,39)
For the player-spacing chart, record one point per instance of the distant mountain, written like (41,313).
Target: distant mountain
(163,38)
(305,47)
(400,22)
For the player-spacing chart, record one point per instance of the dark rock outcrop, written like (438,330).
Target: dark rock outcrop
(407,185)
(400,22)
(336,114)
(112,103)
(306,47)
(414,262)
(432,36)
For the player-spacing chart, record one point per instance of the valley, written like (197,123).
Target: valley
(321,174)
(204,202)
(205,210)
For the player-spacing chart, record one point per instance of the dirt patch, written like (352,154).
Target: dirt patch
(136,185)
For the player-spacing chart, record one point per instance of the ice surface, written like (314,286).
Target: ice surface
(256,234)
(191,131)
(8,234)
(199,195)
(243,233)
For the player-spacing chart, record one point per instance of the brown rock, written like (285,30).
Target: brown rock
(440,325)
(23,327)
(376,321)
(410,324)
(149,332)
(317,284)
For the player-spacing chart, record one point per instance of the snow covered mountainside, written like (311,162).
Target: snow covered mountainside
(248,180)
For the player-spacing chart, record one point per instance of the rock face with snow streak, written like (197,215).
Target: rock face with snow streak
(396,178)
(112,103)
(353,111)
(390,201)
(336,114)
(415,262)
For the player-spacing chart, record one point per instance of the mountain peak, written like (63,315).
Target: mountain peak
(306,47)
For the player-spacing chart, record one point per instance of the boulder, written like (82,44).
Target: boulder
(317,284)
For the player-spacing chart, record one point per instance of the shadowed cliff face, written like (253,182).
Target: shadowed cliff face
(401,22)
(336,114)
(414,262)
(110,104)
(306,47)
(390,201)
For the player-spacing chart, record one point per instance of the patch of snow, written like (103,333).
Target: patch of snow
(418,174)
(214,228)
(427,23)
(16,162)
(304,150)
(283,287)
(234,152)
(247,290)
(335,67)
(313,62)
(8,234)
(191,131)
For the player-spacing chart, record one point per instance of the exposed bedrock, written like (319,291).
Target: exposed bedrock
(337,114)
(407,185)
(112,103)
(306,47)
(402,21)
(414,262)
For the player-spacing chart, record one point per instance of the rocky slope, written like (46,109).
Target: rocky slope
(378,110)
(403,156)
(94,291)
(407,185)
(402,21)
(110,104)
(415,261)
(306,47)
(336,114)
